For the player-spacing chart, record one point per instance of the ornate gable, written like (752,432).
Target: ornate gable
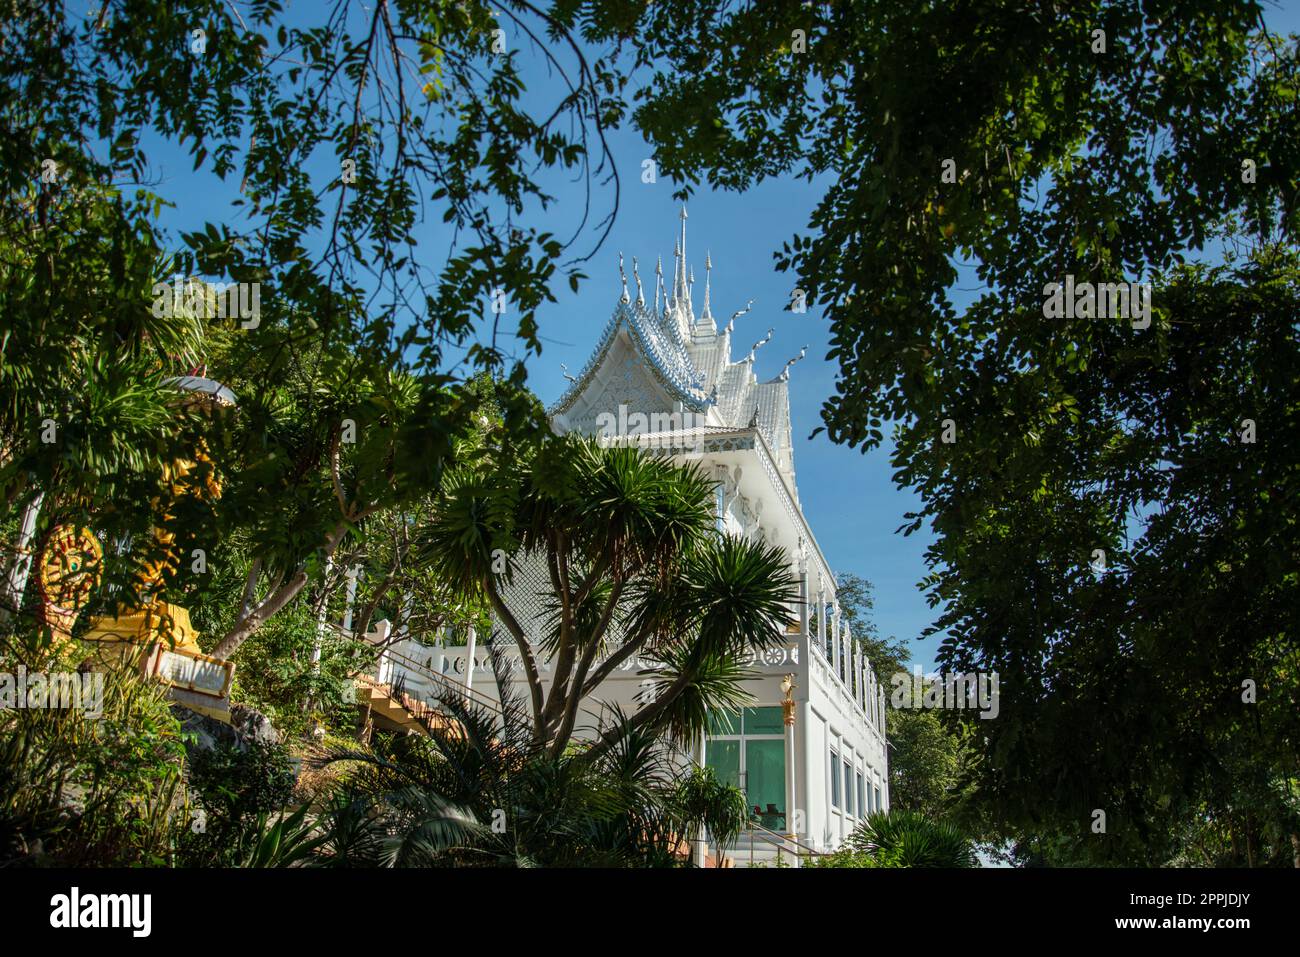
(620,375)
(663,358)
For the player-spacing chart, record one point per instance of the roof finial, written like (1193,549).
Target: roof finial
(679,278)
(640,296)
(659,282)
(785,373)
(670,301)
(565,370)
(623,276)
(708,266)
(760,343)
(736,315)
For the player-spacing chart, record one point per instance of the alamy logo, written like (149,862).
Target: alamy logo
(669,431)
(207,300)
(56,689)
(1103,300)
(975,690)
(102,910)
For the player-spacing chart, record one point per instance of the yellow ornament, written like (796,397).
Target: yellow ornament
(70,568)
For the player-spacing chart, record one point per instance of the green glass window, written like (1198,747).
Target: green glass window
(835,779)
(724,722)
(765,779)
(763,721)
(724,758)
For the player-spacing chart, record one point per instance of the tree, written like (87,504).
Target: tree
(857,601)
(596,556)
(1111,485)
(709,808)
(86,423)
(924,760)
(343,132)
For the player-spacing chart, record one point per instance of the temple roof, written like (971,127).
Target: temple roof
(689,359)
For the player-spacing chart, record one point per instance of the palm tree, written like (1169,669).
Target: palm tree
(629,563)
(480,791)
(720,809)
(910,839)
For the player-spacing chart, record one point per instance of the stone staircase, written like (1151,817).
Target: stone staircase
(403,694)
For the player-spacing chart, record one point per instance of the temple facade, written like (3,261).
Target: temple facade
(810,751)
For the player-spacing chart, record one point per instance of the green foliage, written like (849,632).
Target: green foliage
(79,789)
(240,791)
(924,762)
(287,840)
(480,791)
(1121,690)
(909,839)
(342,154)
(276,674)
(721,808)
(623,538)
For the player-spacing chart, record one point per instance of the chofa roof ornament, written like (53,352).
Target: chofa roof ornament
(785,372)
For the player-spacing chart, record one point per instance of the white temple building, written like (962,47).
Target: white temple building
(667,377)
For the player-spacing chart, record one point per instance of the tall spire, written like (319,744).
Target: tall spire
(640,296)
(680,293)
(676,296)
(623,276)
(708,266)
(659,287)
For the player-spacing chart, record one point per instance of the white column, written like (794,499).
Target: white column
(353,573)
(322,617)
(811,764)
(803,598)
(384,667)
(835,640)
(471,647)
(844,650)
(16,582)
(442,649)
(821,616)
(700,849)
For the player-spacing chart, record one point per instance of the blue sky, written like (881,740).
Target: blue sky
(849,498)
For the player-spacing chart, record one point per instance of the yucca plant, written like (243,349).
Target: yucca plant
(633,567)
(910,839)
(480,791)
(721,809)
